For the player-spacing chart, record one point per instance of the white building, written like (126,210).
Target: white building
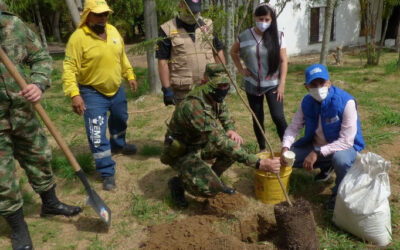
(303,24)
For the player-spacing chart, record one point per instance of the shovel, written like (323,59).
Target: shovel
(93,198)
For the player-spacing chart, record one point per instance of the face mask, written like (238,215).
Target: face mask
(262,26)
(219,95)
(319,94)
(97,28)
(186,17)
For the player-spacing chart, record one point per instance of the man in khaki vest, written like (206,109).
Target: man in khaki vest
(184,51)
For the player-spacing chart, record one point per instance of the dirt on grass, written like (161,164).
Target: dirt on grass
(206,231)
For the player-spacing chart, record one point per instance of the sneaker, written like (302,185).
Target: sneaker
(109,183)
(330,204)
(177,192)
(324,175)
(128,149)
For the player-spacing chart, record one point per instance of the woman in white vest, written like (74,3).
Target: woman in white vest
(263,51)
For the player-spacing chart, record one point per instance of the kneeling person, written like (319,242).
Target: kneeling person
(202,129)
(332,135)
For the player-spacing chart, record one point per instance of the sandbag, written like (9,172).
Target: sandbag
(362,205)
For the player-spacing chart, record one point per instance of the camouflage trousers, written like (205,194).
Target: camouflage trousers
(197,176)
(21,138)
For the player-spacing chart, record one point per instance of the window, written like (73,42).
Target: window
(317,19)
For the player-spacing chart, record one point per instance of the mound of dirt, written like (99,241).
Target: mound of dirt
(196,232)
(224,204)
(256,228)
(296,226)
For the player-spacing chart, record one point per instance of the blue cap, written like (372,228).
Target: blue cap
(316,71)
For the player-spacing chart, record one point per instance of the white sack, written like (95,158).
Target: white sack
(362,205)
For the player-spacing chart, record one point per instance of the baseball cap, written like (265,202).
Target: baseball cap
(217,74)
(194,5)
(316,71)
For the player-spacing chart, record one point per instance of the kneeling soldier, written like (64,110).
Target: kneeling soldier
(202,129)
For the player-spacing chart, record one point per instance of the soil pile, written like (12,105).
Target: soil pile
(224,204)
(196,232)
(257,228)
(296,226)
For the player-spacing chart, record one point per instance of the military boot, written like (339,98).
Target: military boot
(177,192)
(226,189)
(52,206)
(20,238)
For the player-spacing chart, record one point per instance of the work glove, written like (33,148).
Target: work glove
(169,98)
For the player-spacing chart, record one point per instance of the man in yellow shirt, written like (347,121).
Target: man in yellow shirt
(94,64)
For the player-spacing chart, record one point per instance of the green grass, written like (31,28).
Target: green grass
(391,67)
(151,212)
(150,150)
(63,169)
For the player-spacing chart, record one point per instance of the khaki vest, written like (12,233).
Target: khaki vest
(188,59)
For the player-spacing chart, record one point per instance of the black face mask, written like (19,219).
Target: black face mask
(98,28)
(219,95)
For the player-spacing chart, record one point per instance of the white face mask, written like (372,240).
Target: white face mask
(262,26)
(319,94)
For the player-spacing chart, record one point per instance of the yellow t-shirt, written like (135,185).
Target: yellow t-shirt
(92,61)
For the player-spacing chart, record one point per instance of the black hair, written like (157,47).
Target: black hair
(271,39)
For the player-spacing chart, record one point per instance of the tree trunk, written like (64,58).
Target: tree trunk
(56,26)
(150,23)
(330,6)
(78,4)
(39,19)
(398,61)
(382,43)
(245,11)
(230,36)
(398,35)
(73,10)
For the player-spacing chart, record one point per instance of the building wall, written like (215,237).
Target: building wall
(294,21)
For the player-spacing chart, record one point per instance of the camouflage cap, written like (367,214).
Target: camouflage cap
(217,74)
(3,5)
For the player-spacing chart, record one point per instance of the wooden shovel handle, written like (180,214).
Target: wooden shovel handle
(40,110)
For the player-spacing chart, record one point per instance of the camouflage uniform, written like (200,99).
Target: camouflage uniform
(202,127)
(21,136)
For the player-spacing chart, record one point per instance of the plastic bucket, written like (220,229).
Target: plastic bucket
(266,184)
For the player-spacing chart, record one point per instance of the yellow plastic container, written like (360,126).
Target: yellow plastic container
(266,184)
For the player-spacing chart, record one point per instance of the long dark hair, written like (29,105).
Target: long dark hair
(271,39)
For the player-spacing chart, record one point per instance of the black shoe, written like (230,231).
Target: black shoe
(52,206)
(20,239)
(128,149)
(177,192)
(109,183)
(324,175)
(226,189)
(330,204)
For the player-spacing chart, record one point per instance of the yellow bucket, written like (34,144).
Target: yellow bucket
(266,184)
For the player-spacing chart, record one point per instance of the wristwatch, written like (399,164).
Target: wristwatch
(317,150)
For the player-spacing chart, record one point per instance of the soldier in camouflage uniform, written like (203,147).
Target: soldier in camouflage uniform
(21,136)
(202,129)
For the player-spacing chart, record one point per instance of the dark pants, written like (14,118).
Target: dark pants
(275,109)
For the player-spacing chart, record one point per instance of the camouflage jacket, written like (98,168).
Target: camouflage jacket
(196,122)
(24,49)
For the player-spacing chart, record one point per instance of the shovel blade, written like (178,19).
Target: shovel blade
(99,206)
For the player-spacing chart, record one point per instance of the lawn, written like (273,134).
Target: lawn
(142,199)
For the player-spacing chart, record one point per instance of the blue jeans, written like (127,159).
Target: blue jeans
(97,106)
(340,160)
